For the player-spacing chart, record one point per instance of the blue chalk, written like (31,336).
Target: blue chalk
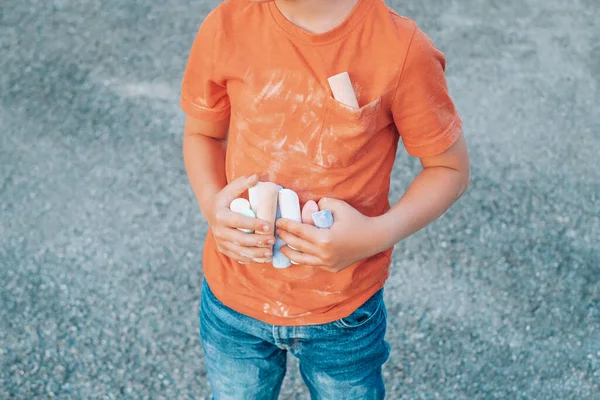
(323,219)
(279,260)
(279,243)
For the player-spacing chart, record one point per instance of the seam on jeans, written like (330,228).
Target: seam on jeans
(294,343)
(375,313)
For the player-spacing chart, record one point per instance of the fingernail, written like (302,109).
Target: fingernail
(267,254)
(266,228)
(271,241)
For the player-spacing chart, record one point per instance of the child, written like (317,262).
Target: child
(259,107)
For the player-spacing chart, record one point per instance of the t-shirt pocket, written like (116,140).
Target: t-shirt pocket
(345,134)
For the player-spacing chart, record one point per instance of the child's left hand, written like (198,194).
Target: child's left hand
(352,238)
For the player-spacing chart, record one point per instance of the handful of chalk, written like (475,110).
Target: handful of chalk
(271,202)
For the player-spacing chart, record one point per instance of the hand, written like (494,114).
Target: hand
(240,246)
(351,238)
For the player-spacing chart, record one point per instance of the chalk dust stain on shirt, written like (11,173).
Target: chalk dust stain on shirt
(279,144)
(299,147)
(323,293)
(281,310)
(271,89)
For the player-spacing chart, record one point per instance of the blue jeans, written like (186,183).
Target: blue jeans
(246,358)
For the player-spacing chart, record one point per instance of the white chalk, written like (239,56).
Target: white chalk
(342,90)
(289,204)
(242,206)
(239,205)
(254,196)
(250,214)
(267,203)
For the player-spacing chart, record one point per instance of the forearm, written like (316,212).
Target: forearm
(204,159)
(432,192)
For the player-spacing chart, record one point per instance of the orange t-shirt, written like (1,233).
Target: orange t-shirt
(250,64)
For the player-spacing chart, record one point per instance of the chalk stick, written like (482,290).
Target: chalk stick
(279,259)
(267,203)
(267,207)
(308,210)
(323,219)
(289,204)
(242,206)
(250,214)
(342,90)
(254,196)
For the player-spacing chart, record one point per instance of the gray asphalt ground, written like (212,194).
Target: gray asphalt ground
(101,238)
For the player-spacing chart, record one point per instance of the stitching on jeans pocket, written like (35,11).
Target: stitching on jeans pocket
(342,322)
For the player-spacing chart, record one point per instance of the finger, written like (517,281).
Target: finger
(333,205)
(247,252)
(301,258)
(328,269)
(235,188)
(240,260)
(304,231)
(231,219)
(323,203)
(235,256)
(297,243)
(248,239)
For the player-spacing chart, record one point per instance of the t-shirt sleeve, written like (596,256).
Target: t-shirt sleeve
(203,91)
(423,111)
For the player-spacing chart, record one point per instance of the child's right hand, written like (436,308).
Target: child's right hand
(240,246)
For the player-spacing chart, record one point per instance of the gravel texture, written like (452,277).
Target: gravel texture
(101,238)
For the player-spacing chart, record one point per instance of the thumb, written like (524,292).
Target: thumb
(235,188)
(333,205)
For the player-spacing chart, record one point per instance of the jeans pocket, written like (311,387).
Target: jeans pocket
(369,311)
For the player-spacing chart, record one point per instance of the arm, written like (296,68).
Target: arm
(205,101)
(430,128)
(442,181)
(354,236)
(204,157)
